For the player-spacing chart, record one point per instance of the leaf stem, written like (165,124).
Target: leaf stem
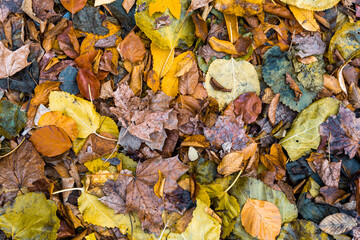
(233,183)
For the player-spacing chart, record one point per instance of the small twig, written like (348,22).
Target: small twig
(13,149)
(68,190)
(233,183)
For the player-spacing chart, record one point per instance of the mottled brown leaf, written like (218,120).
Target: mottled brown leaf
(248,107)
(275,161)
(272,109)
(21,168)
(329,172)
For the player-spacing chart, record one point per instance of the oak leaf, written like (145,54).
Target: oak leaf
(343,132)
(21,168)
(13,61)
(50,141)
(261,219)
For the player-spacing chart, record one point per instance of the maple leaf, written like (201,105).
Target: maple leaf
(13,62)
(21,168)
(140,196)
(174,7)
(343,132)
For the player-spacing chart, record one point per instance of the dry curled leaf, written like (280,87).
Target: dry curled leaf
(272,109)
(289,80)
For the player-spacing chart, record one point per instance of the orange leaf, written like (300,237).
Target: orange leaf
(73,6)
(222,46)
(58,119)
(261,219)
(50,141)
(132,48)
(88,84)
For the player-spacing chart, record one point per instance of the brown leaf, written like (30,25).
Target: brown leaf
(153,81)
(209,112)
(201,29)
(50,141)
(13,62)
(332,84)
(68,42)
(289,80)
(342,132)
(88,83)
(177,222)
(128,4)
(195,141)
(332,195)
(242,45)
(337,223)
(86,60)
(132,48)
(44,9)
(272,109)
(217,86)
(73,6)
(261,219)
(196,4)
(329,172)
(277,9)
(96,147)
(137,78)
(207,52)
(189,75)
(248,107)
(231,163)
(21,168)
(354,95)
(232,27)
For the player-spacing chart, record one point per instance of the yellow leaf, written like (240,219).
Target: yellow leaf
(261,219)
(31,216)
(222,46)
(170,83)
(83,112)
(58,119)
(305,18)
(238,76)
(232,27)
(315,5)
(174,7)
(96,165)
(153,81)
(244,8)
(162,59)
(91,237)
(159,186)
(109,126)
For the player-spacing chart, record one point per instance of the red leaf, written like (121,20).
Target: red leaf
(88,83)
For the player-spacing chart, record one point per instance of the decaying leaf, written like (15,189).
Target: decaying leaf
(12,119)
(261,219)
(309,45)
(342,132)
(272,109)
(301,229)
(329,172)
(13,61)
(31,216)
(289,80)
(239,76)
(337,223)
(248,106)
(50,141)
(21,168)
(304,132)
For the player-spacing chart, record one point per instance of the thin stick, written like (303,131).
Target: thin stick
(233,183)
(69,189)
(13,149)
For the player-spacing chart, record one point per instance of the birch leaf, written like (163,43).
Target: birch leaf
(239,76)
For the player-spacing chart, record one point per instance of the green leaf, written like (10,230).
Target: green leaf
(180,32)
(246,188)
(276,65)
(346,40)
(221,200)
(239,76)
(304,132)
(315,5)
(301,230)
(31,216)
(83,112)
(12,120)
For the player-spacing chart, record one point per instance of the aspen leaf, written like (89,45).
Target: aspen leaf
(58,119)
(73,6)
(315,5)
(31,216)
(337,223)
(305,18)
(174,7)
(239,76)
(83,112)
(304,132)
(50,141)
(261,219)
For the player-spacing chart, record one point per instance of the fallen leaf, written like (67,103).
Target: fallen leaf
(201,29)
(329,172)
(354,95)
(299,229)
(31,216)
(261,219)
(13,61)
(195,141)
(292,84)
(89,20)
(102,2)
(222,46)
(162,59)
(309,45)
(304,132)
(342,132)
(21,168)
(9,7)
(50,141)
(315,5)
(68,42)
(243,79)
(246,9)
(337,224)
(83,112)
(61,121)
(248,106)
(231,163)
(305,18)
(174,7)
(272,109)
(12,119)
(276,161)
(132,48)
(127,4)
(159,186)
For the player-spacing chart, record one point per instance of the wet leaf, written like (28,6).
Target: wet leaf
(337,224)
(261,219)
(89,20)
(31,216)
(12,119)
(239,76)
(301,230)
(22,168)
(50,141)
(304,132)
(83,112)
